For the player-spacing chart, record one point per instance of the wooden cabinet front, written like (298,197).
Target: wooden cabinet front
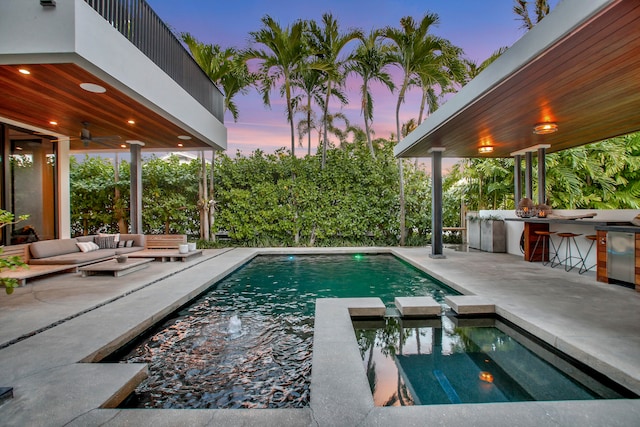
(601,272)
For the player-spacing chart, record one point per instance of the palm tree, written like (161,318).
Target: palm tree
(306,125)
(369,62)
(443,69)
(284,54)
(413,46)
(521,8)
(327,43)
(473,69)
(225,67)
(311,83)
(330,121)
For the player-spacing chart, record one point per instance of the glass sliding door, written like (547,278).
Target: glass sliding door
(30,183)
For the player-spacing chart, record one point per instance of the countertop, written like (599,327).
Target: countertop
(630,228)
(579,221)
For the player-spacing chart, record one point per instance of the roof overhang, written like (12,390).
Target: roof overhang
(579,67)
(70,44)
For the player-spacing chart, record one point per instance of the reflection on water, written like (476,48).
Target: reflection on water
(445,361)
(204,358)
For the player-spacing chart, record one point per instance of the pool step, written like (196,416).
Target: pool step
(418,306)
(470,304)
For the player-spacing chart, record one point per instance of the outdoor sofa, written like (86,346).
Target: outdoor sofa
(71,251)
(61,255)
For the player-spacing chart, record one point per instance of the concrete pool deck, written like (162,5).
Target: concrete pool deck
(53,326)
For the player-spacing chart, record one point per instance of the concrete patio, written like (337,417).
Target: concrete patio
(54,326)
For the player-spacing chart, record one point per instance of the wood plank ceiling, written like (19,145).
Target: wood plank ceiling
(52,92)
(588,83)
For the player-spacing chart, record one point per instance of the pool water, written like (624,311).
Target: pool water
(196,361)
(450,360)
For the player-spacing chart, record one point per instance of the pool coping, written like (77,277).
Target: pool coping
(340,392)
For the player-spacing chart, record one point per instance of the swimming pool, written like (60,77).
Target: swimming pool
(452,360)
(195,362)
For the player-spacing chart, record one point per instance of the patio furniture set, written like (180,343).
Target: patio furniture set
(116,255)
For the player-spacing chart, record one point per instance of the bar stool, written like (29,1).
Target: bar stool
(545,236)
(566,239)
(583,267)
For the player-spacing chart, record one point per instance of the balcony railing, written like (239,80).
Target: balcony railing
(141,25)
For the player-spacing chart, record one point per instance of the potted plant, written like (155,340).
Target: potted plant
(6,218)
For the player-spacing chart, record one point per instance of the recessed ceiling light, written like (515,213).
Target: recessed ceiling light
(485,149)
(53,122)
(184,137)
(123,145)
(131,122)
(24,71)
(92,87)
(180,144)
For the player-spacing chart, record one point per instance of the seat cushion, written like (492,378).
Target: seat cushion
(77,258)
(49,248)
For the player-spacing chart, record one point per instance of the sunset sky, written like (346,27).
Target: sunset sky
(478,27)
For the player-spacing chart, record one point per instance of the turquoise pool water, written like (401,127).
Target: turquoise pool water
(198,360)
(450,360)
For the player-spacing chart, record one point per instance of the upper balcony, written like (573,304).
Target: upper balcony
(135,20)
(147,76)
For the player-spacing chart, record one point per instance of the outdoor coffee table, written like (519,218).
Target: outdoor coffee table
(115,268)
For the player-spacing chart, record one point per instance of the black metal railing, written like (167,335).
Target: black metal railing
(135,20)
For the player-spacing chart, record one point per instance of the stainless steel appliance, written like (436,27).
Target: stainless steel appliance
(621,256)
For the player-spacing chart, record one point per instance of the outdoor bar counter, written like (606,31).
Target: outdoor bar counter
(591,226)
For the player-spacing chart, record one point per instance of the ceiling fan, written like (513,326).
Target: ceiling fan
(86,138)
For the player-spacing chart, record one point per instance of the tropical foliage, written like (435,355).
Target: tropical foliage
(11,262)
(352,201)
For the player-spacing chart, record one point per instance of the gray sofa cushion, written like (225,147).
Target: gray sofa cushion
(76,258)
(49,248)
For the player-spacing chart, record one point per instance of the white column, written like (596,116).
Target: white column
(64,189)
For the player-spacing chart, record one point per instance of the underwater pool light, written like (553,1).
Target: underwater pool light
(486,377)
(291,257)
(358,256)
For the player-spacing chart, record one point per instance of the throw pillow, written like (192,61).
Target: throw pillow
(116,237)
(125,243)
(87,246)
(106,242)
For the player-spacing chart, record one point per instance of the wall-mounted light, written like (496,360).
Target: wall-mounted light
(48,3)
(545,128)
(485,149)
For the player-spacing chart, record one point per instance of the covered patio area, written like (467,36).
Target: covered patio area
(572,80)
